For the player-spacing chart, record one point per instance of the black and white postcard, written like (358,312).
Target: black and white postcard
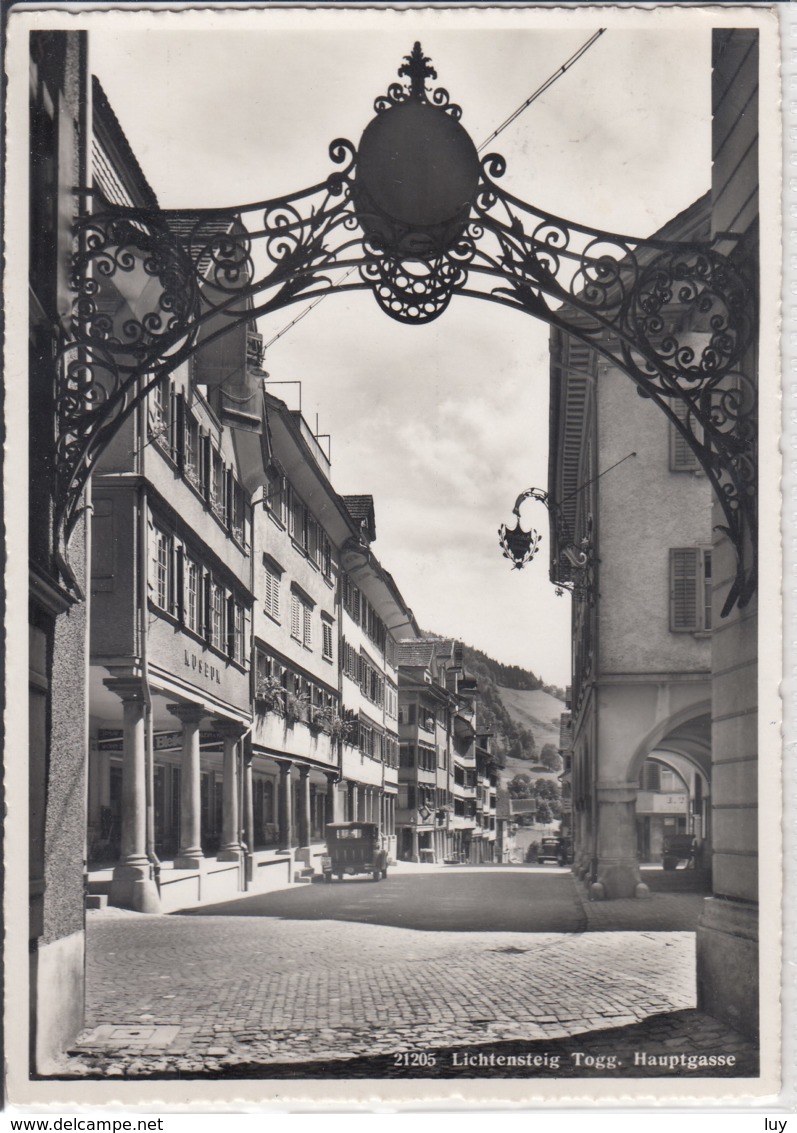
(397,393)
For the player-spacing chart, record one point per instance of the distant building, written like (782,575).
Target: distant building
(446,788)
(374,620)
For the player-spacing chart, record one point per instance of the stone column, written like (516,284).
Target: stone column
(415,853)
(248,809)
(618,867)
(190,855)
(284,808)
(231,732)
(132,886)
(304,807)
(333,802)
(353,801)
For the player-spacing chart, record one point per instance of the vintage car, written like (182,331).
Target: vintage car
(678,852)
(551,850)
(354,847)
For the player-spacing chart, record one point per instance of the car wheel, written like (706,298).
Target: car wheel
(384,873)
(377,875)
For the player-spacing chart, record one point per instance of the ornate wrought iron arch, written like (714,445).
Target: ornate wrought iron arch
(152,287)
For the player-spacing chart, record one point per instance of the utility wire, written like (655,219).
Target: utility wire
(542,89)
(594,478)
(306,311)
(539,91)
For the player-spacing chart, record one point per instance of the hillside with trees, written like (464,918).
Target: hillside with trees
(513,741)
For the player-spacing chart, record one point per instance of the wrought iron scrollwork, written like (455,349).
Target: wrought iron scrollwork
(152,286)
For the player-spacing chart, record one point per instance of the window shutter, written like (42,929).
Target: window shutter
(246,651)
(231,627)
(684,564)
(307,614)
(296,617)
(682,456)
(179,592)
(208,604)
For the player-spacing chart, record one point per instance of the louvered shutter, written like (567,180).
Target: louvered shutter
(296,617)
(684,614)
(682,456)
(307,615)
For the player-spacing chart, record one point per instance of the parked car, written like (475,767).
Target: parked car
(551,850)
(678,848)
(354,847)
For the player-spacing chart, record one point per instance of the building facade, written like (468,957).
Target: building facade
(636,498)
(58,609)
(374,621)
(447,778)
(659,676)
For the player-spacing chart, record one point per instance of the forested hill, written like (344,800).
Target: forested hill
(511,739)
(507,676)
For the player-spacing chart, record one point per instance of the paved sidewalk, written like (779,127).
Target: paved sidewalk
(185,995)
(660,912)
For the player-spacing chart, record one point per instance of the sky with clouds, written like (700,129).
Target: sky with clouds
(444,424)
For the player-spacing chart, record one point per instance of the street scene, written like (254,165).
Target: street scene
(436,972)
(393,686)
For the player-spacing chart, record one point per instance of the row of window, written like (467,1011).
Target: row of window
(175,429)
(419,714)
(360,669)
(183,588)
(287,507)
(416,796)
(464,777)
(364,615)
(377,744)
(287,691)
(418,755)
(302,615)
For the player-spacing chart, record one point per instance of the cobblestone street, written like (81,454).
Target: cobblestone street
(264,995)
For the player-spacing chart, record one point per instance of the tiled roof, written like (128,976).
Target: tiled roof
(361,509)
(359,506)
(415,653)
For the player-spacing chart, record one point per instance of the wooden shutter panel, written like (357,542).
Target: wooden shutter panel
(682,456)
(684,562)
(296,617)
(307,615)
(231,627)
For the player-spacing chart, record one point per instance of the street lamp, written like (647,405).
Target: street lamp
(575,575)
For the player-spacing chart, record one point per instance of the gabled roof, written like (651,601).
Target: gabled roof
(124,175)
(361,509)
(416,654)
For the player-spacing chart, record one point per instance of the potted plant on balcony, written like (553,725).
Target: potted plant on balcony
(269,695)
(296,705)
(341,728)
